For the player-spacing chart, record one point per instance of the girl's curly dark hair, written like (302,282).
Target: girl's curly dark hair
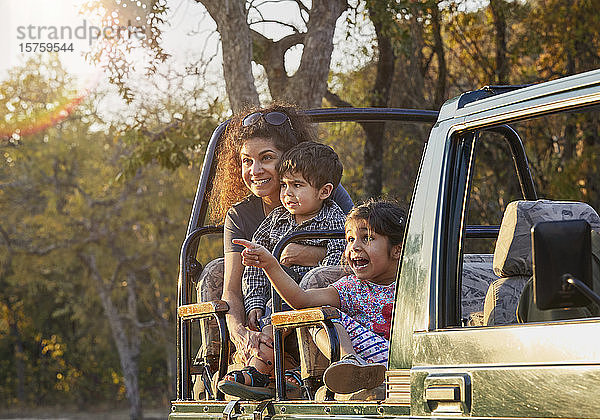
(228,187)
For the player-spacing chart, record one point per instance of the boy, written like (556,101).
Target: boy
(308,173)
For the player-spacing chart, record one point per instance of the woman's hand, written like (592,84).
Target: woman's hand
(247,342)
(304,255)
(253,319)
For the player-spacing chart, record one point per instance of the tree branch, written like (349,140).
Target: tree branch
(335,100)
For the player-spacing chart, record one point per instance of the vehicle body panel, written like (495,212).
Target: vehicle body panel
(528,371)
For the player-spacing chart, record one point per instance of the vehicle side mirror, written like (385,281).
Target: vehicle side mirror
(562,269)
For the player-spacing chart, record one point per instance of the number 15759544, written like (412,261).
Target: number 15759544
(45,47)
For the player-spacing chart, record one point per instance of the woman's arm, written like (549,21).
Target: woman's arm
(245,340)
(342,198)
(258,256)
(304,255)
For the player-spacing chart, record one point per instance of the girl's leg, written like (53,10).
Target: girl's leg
(322,341)
(354,339)
(370,346)
(363,357)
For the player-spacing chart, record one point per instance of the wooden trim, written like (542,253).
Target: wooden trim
(398,386)
(203,309)
(303,317)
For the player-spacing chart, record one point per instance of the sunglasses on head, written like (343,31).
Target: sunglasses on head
(273,118)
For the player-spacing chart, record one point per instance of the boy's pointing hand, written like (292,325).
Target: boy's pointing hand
(255,255)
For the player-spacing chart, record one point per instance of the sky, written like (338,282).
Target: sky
(189,30)
(26,21)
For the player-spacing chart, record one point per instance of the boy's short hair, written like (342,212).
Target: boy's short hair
(317,162)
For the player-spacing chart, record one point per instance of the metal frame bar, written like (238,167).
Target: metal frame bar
(200,207)
(184,292)
(278,347)
(517,151)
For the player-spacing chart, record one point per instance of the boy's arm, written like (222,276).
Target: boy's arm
(255,289)
(335,247)
(255,284)
(335,250)
(304,255)
(258,256)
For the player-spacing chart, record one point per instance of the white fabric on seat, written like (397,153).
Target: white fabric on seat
(477,274)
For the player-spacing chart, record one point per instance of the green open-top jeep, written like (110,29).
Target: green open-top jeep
(497,311)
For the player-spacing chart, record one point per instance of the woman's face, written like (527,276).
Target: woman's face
(259,158)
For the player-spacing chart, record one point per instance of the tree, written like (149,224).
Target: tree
(70,229)
(497,8)
(400,47)
(240,45)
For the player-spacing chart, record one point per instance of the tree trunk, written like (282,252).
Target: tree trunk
(414,83)
(13,322)
(167,338)
(308,86)
(498,9)
(236,43)
(19,354)
(380,95)
(128,345)
(438,48)
(240,45)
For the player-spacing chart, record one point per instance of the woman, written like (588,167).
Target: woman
(246,189)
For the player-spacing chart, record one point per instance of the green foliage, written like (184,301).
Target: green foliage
(172,135)
(59,202)
(562,35)
(403,149)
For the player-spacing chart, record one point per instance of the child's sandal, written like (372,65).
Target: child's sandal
(257,390)
(352,374)
(294,385)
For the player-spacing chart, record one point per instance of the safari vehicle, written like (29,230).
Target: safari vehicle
(483,325)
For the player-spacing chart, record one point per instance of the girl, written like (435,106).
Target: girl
(374,233)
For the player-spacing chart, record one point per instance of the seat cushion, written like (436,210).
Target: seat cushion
(477,274)
(512,256)
(501,300)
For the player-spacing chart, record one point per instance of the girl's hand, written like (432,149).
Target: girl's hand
(253,317)
(255,255)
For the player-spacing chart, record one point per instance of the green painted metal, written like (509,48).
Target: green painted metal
(289,410)
(530,370)
(539,370)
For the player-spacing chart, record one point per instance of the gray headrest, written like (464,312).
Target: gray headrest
(512,256)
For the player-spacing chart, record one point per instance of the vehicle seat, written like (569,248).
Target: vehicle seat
(477,275)
(527,311)
(512,256)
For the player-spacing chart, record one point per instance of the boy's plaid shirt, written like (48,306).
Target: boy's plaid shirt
(256,287)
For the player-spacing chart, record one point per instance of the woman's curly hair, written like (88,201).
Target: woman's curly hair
(228,187)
